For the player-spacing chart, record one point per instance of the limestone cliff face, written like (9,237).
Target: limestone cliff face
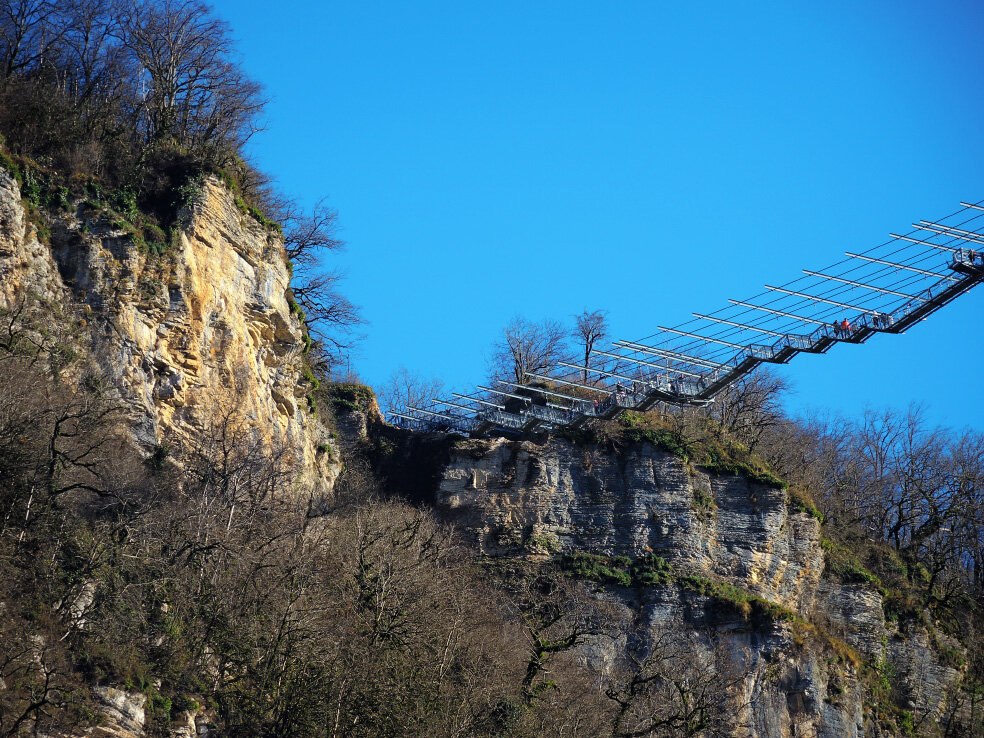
(536,500)
(638,502)
(202,332)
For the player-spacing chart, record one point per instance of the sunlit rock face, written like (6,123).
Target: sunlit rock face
(803,676)
(201,333)
(642,500)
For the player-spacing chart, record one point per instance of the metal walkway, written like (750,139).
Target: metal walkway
(886,289)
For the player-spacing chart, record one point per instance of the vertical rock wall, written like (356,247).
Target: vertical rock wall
(804,675)
(200,333)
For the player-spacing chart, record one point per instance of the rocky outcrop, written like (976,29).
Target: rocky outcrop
(190,337)
(123,714)
(807,673)
(569,498)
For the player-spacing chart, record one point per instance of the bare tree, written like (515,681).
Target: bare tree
(196,96)
(329,315)
(590,329)
(27,34)
(528,348)
(405,388)
(678,688)
(308,235)
(751,407)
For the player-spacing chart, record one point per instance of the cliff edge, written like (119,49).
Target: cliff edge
(203,331)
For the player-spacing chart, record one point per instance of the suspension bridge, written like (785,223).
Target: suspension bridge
(886,289)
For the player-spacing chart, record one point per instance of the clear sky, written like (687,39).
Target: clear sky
(646,158)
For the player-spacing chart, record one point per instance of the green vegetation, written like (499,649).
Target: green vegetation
(652,570)
(296,309)
(735,600)
(621,570)
(704,502)
(701,443)
(543,542)
(310,378)
(231,179)
(845,565)
(904,607)
(351,397)
(11,166)
(879,677)
(800,501)
(597,568)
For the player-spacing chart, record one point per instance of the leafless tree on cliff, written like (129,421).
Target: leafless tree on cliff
(678,688)
(309,237)
(196,96)
(528,348)
(751,407)
(28,32)
(406,388)
(590,328)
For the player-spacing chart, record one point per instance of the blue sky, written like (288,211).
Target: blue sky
(498,159)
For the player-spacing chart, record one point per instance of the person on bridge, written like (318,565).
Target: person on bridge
(846,328)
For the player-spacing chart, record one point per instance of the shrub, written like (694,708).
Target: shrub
(351,397)
(800,501)
(11,166)
(159,457)
(160,706)
(310,378)
(651,570)
(703,445)
(185,704)
(704,502)
(903,608)
(736,600)
(845,566)
(597,568)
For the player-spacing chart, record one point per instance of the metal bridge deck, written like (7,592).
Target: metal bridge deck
(887,289)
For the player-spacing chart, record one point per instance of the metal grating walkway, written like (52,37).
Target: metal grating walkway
(886,289)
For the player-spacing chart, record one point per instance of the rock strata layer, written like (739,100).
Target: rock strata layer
(199,334)
(804,673)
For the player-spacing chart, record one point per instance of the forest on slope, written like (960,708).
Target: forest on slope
(197,576)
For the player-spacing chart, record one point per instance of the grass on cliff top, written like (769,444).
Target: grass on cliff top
(621,570)
(150,225)
(652,570)
(346,397)
(905,600)
(231,179)
(699,441)
(149,218)
(800,500)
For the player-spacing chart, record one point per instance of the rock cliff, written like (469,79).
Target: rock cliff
(201,332)
(812,665)
(206,330)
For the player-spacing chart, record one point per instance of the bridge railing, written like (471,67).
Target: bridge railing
(549,414)
(503,419)
(414,424)
(692,372)
(968,257)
